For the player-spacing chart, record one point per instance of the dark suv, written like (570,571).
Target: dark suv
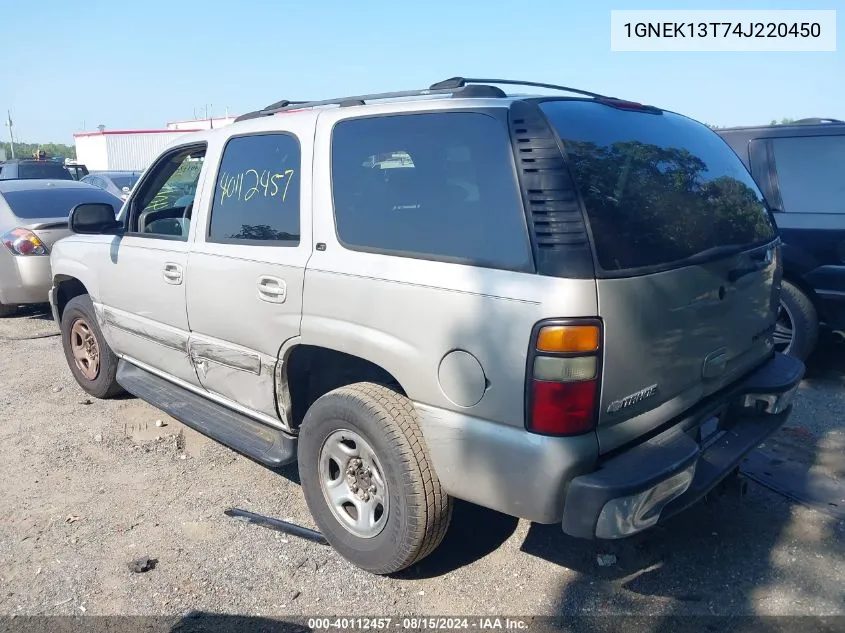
(801,169)
(31,168)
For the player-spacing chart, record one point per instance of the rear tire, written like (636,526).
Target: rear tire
(797,318)
(7,310)
(374,432)
(91,361)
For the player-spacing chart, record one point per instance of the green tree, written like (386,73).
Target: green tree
(26,150)
(785,121)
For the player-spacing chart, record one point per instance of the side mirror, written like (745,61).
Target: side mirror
(94,218)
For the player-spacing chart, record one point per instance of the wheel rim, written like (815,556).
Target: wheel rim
(353,483)
(784,330)
(86,352)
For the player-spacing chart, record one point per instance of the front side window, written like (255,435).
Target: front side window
(811,173)
(435,185)
(164,204)
(256,198)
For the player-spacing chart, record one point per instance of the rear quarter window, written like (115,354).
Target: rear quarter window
(811,173)
(438,186)
(658,189)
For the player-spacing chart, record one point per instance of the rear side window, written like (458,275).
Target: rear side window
(256,199)
(46,169)
(54,203)
(658,188)
(435,185)
(811,173)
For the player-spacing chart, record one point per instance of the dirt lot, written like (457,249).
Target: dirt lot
(87,486)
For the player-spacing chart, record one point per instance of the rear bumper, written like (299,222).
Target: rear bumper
(25,280)
(664,475)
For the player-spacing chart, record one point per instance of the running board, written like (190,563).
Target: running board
(239,432)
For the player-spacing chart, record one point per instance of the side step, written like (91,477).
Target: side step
(241,433)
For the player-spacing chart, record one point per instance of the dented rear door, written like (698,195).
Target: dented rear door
(248,266)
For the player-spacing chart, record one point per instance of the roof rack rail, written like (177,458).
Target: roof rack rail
(273,106)
(462,82)
(816,121)
(462,91)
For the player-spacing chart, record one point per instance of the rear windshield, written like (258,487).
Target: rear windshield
(43,170)
(54,203)
(124,181)
(658,188)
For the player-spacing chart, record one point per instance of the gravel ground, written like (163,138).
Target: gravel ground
(88,486)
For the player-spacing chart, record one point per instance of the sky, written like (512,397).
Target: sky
(138,65)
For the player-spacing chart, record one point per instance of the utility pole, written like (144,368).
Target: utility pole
(11,135)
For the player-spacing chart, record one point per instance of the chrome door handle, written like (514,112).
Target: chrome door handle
(173,273)
(272,289)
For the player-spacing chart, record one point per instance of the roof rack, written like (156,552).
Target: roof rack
(816,121)
(462,82)
(280,106)
(454,86)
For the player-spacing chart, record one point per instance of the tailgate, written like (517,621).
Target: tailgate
(674,337)
(686,259)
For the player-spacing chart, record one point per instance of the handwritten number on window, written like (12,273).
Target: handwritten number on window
(250,183)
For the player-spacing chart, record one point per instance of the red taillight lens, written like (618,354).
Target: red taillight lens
(564,375)
(23,242)
(563,408)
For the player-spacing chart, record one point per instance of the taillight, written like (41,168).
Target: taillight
(23,242)
(564,375)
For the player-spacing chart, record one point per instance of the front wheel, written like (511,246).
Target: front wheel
(91,360)
(368,480)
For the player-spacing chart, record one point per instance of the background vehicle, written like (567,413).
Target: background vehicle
(421,299)
(117,183)
(801,169)
(31,168)
(77,172)
(33,215)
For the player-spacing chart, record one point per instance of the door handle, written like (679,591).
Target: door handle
(173,273)
(272,289)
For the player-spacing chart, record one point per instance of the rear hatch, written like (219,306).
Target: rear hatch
(685,255)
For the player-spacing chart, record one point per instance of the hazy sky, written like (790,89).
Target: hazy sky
(137,65)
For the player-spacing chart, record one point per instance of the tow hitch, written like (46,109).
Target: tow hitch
(734,486)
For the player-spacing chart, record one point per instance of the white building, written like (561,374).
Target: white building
(134,150)
(201,124)
(131,150)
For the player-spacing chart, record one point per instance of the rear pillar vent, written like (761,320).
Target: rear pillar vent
(558,231)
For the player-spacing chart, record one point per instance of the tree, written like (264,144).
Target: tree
(785,121)
(26,150)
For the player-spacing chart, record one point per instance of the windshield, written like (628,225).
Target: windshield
(124,181)
(46,169)
(54,202)
(658,188)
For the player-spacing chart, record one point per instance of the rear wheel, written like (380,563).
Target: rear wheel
(797,327)
(368,480)
(89,357)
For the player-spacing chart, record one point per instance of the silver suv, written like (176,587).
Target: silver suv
(557,307)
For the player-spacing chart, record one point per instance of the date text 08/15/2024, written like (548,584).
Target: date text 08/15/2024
(422,623)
